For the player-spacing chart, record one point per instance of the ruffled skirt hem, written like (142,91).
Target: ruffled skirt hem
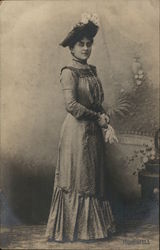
(74,217)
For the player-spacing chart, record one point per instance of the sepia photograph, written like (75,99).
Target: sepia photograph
(79,121)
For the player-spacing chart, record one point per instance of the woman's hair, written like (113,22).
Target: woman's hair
(71,45)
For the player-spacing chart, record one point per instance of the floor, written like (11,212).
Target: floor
(133,236)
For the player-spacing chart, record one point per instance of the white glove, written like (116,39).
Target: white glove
(109,135)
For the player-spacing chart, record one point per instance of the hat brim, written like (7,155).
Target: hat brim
(78,32)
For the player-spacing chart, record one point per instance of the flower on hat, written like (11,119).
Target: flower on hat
(138,82)
(136,76)
(86,17)
(140,72)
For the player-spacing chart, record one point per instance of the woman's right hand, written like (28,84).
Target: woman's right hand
(102,121)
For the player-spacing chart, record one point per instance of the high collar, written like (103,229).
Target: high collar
(83,62)
(79,63)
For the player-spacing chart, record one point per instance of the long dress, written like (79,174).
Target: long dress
(79,209)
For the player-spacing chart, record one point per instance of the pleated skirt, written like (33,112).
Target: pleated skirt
(74,217)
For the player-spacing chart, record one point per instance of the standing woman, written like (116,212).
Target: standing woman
(79,209)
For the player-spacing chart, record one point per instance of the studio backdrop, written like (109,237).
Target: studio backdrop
(32,105)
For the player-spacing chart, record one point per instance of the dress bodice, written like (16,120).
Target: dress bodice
(88,88)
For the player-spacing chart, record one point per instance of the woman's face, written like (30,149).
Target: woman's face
(82,49)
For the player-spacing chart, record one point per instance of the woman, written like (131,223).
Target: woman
(79,210)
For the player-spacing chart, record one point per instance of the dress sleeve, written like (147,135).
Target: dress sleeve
(69,86)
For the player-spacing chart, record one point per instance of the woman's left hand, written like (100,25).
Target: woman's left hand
(102,121)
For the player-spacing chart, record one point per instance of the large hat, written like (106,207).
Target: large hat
(88,26)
